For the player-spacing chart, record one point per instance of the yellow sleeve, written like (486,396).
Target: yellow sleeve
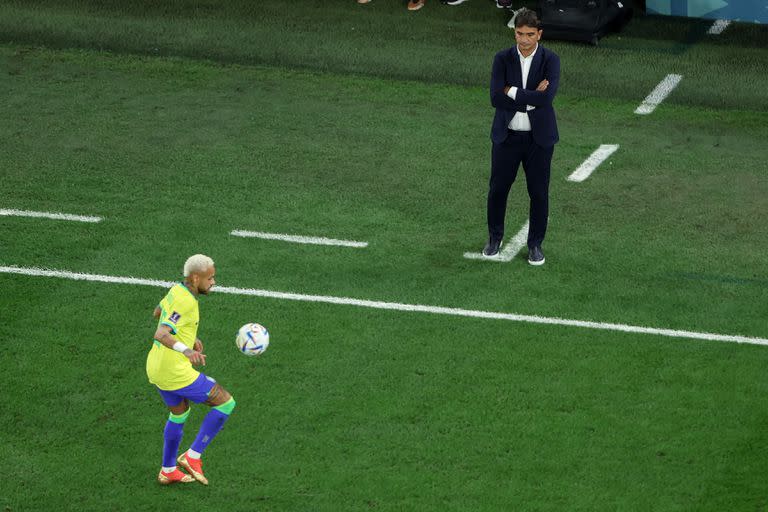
(175,312)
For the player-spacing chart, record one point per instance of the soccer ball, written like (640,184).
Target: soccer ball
(252,339)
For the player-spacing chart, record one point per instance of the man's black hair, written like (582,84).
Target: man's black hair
(528,18)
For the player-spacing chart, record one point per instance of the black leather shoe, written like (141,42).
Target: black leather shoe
(535,256)
(492,248)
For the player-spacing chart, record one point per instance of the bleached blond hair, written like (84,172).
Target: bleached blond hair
(197,263)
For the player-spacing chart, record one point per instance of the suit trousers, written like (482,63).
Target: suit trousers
(506,157)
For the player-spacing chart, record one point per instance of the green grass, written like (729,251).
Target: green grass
(436,44)
(373,137)
(400,411)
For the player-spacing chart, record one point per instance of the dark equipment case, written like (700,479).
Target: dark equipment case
(583,20)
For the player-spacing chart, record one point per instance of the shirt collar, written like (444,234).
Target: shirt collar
(531,55)
(188,290)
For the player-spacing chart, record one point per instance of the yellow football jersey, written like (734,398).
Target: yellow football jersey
(166,368)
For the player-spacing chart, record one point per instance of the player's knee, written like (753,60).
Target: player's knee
(179,418)
(227,407)
(179,412)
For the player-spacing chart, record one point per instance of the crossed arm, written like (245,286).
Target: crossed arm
(543,95)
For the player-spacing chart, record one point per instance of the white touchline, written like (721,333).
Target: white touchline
(49,215)
(591,163)
(661,91)
(508,251)
(298,239)
(718,26)
(417,308)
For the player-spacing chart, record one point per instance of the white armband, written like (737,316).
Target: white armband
(180,347)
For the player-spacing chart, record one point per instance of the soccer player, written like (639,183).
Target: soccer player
(169,367)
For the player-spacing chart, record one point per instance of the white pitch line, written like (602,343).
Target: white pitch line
(661,91)
(416,308)
(592,163)
(508,251)
(718,26)
(298,239)
(49,215)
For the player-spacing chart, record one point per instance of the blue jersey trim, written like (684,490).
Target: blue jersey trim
(173,327)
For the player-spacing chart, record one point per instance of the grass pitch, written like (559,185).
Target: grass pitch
(241,119)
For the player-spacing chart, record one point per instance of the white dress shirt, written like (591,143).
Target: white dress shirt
(521,122)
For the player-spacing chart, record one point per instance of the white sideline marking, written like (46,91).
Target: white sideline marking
(508,251)
(718,26)
(661,91)
(298,239)
(49,215)
(591,163)
(438,310)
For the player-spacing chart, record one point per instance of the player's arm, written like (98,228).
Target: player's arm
(164,335)
(156,312)
(499,86)
(539,97)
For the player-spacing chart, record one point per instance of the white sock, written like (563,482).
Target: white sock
(192,454)
(169,470)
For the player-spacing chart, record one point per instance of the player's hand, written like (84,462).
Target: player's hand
(542,85)
(198,345)
(506,89)
(195,357)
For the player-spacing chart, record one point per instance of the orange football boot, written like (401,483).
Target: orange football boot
(174,477)
(194,466)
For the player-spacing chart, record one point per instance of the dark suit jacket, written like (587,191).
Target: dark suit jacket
(507,71)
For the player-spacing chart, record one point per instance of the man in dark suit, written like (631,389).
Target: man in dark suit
(524,82)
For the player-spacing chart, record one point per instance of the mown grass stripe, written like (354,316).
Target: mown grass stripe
(396,306)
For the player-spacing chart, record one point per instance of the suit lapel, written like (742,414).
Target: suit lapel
(516,77)
(534,74)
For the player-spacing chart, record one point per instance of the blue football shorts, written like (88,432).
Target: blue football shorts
(196,392)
